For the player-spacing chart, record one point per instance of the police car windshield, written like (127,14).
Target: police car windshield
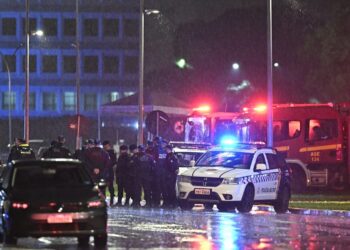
(50,176)
(185,158)
(225,159)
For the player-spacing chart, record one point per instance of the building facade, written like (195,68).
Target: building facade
(108,35)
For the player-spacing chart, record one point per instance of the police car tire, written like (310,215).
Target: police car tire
(246,204)
(9,238)
(282,202)
(83,240)
(225,207)
(185,205)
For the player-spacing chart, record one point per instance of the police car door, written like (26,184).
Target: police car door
(265,188)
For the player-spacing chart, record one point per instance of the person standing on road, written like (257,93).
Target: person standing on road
(171,171)
(147,165)
(57,149)
(20,151)
(97,161)
(134,182)
(121,174)
(109,149)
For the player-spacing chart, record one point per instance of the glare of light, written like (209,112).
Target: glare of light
(38,33)
(181,63)
(152,11)
(136,125)
(245,109)
(228,140)
(204,108)
(260,108)
(276,64)
(235,66)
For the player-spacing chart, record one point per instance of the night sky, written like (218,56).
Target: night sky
(211,35)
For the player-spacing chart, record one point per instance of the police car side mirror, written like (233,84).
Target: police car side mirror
(260,167)
(192,163)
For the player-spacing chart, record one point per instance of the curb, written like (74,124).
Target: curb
(308,211)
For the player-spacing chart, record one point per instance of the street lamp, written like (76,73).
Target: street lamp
(235,66)
(77,84)
(141,67)
(269,76)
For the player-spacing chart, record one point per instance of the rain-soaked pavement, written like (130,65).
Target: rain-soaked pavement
(199,229)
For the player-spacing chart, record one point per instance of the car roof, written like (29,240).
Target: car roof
(189,150)
(23,163)
(244,147)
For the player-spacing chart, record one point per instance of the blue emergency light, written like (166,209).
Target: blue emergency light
(228,140)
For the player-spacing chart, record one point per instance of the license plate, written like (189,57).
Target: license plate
(59,218)
(202,191)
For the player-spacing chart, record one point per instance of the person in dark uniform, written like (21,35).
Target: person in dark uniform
(57,149)
(121,174)
(20,151)
(147,166)
(134,182)
(97,161)
(171,171)
(109,149)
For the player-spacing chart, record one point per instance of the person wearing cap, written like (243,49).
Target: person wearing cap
(121,174)
(57,149)
(134,183)
(171,171)
(109,149)
(147,167)
(20,151)
(96,161)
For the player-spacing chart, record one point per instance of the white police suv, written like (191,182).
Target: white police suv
(236,177)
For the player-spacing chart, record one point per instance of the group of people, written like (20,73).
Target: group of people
(152,169)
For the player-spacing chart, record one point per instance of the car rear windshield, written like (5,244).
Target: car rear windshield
(225,159)
(50,176)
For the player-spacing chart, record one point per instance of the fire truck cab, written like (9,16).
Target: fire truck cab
(204,126)
(314,138)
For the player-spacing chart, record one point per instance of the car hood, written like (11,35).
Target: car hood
(77,194)
(214,172)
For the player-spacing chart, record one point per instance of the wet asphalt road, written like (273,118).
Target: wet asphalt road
(199,229)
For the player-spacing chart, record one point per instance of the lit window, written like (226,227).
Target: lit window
(110,97)
(69,101)
(8,100)
(9,26)
(114,96)
(49,101)
(129,93)
(90,102)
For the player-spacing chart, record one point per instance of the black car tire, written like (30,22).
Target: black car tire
(226,207)
(282,202)
(83,240)
(185,205)
(208,206)
(100,240)
(246,204)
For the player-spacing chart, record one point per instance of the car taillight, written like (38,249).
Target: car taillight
(94,204)
(339,153)
(20,205)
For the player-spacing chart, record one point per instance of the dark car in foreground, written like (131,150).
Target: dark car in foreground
(54,198)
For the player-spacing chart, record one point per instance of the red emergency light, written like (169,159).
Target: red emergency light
(204,108)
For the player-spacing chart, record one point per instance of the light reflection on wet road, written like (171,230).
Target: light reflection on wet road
(146,228)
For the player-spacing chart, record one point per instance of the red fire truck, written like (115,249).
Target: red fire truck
(314,138)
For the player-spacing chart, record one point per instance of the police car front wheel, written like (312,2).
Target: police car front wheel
(246,204)
(185,205)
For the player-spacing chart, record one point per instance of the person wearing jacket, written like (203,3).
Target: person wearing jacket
(108,148)
(57,149)
(20,151)
(121,174)
(147,167)
(134,178)
(171,171)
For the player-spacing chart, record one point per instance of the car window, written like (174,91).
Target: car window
(5,177)
(273,161)
(225,159)
(260,160)
(50,176)
(184,158)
